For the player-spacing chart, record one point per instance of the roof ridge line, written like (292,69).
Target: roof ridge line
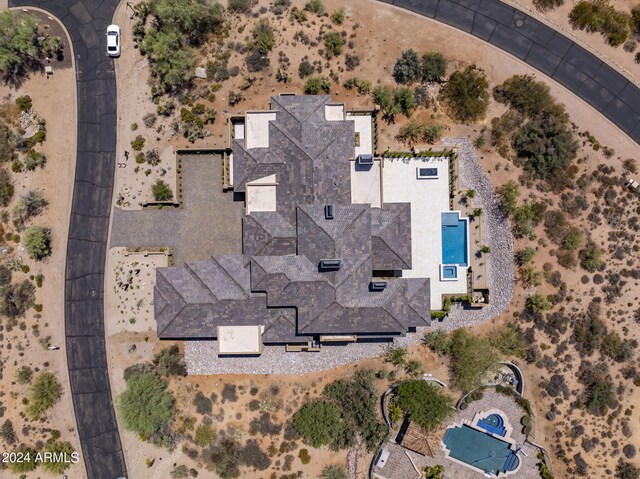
(393,251)
(174,318)
(226,273)
(389,300)
(197,278)
(335,138)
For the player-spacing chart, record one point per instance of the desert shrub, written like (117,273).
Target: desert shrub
(338,16)
(37,241)
(149,120)
(433,472)
(424,403)
(546,5)
(395,355)
(318,422)
(257,61)
(509,341)
(235,98)
(334,471)
(600,16)
(508,195)
(8,433)
(415,130)
(30,205)
(240,6)
(314,6)
(203,404)
(24,103)
(138,143)
(351,62)
(591,257)
(414,368)
(356,399)
(229,393)
(16,299)
(304,456)
(5,275)
(626,470)
(224,457)
(34,160)
(383,96)
(403,99)
(44,393)
(305,69)
(438,342)
(255,457)
(471,357)
(526,217)
(537,303)
(556,386)
(264,426)
(263,37)
(161,191)
(146,406)
(204,435)
(629,451)
(433,67)
(333,43)
(466,95)
(167,362)
(60,451)
(421,96)
(24,375)
(6,187)
(408,68)
(618,349)
(297,15)
(179,472)
(169,40)
(316,86)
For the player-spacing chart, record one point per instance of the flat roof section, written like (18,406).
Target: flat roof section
(261,194)
(334,112)
(429,198)
(240,339)
(365,184)
(364,133)
(257,129)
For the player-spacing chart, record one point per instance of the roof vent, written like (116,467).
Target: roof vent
(377,285)
(329,264)
(328,212)
(365,159)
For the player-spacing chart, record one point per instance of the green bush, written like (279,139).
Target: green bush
(434,67)
(240,6)
(167,362)
(28,464)
(146,406)
(305,69)
(315,6)
(138,143)
(317,86)
(304,456)
(60,452)
(424,403)
(334,471)
(383,96)
(161,191)
(537,303)
(403,99)
(408,68)
(204,435)
(45,392)
(37,241)
(333,43)
(338,16)
(591,257)
(318,422)
(6,188)
(396,355)
(16,299)
(600,16)
(438,341)
(263,37)
(466,95)
(30,205)
(471,356)
(24,103)
(509,341)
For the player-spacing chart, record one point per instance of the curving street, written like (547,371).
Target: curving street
(86,21)
(490,20)
(544,49)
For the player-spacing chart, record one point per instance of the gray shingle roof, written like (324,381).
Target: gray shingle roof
(277,281)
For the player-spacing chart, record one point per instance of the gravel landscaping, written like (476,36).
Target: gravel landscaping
(201,356)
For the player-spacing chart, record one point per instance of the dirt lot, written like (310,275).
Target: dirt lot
(377,44)
(54,99)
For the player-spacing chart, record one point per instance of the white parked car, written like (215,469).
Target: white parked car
(113,40)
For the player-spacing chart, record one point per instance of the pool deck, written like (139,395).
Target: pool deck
(429,198)
(400,464)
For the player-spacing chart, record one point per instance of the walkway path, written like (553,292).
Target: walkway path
(544,49)
(86,21)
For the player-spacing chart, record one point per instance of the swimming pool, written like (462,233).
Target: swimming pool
(454,239)
(480,450)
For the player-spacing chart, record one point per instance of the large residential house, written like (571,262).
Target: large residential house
(324,257)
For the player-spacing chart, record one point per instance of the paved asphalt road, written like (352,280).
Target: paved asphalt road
(86,21)
(544,49)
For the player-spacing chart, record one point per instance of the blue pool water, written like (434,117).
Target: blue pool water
(481,450)
(454,239)
(493,423)
(449,272)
